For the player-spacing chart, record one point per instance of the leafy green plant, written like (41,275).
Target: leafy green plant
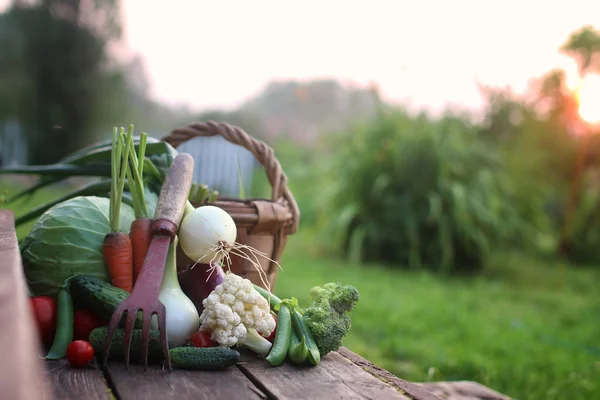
(542,156)
(584,243)
(422,193)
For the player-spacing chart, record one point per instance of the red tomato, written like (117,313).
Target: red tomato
(84,322)
(44,311)
(80,353)
(202,339)
(271,338)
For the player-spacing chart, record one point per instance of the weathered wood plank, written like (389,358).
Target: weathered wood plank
(412,390)
(155,383)
(459,390)
(21,370)
(77,383)
(334,378)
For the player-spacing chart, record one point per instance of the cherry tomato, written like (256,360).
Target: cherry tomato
(80,353)
(84,322)
(271,338)
(44,311)
(202,339)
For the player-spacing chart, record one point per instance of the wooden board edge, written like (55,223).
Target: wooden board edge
(469,389)
(412,390)
(21,370)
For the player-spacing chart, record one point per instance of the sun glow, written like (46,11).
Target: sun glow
(589,99)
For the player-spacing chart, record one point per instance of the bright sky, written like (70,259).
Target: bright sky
(428,52)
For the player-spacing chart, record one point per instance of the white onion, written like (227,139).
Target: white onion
(207,234)
(182,318)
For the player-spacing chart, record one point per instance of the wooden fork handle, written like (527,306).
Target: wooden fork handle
(173,196)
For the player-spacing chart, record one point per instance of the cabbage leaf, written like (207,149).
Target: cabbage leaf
(67,241)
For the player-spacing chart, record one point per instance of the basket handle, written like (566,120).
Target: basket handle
(261,151)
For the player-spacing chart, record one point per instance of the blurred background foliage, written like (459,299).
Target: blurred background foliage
(406,189)
(425,193)
(380,189)
(62,84)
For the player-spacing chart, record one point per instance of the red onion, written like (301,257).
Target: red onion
(197,284)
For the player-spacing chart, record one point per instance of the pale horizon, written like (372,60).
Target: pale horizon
(428,54)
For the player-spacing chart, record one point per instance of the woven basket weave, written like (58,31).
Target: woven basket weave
(261,223)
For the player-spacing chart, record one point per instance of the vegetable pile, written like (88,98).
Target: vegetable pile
(85,251)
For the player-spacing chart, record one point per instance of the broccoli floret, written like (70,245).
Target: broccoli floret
(327,315)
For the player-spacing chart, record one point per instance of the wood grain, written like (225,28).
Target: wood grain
(459,390)
(334,378)
(21,370)
(413,390)
(180,384)
(77,383)
(175,189)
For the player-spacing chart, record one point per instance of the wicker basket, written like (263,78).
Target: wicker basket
(261,223)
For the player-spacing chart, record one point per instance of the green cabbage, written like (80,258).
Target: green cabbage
(67,240)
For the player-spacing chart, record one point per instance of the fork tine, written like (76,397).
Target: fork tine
(162,326)
(112,327)
(146,336)
(131,316)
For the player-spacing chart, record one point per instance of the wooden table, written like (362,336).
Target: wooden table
(340,375)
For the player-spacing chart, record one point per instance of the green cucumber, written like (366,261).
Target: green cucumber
(203,358)
(117,349)
(99,296)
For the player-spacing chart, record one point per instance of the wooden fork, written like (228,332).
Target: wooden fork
(144,296)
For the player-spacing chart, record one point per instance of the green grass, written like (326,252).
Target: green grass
(529,329)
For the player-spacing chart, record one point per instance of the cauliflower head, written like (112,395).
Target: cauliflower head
(232,309)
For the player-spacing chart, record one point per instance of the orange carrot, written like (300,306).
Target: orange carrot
(116,247)
(118,257)
(140,231)
(141,236)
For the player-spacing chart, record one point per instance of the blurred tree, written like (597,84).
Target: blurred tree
(532,135)
(52,66)
(248,121)
(503,115)
(303,110)
(584,46)
(125,99)
(554,100)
